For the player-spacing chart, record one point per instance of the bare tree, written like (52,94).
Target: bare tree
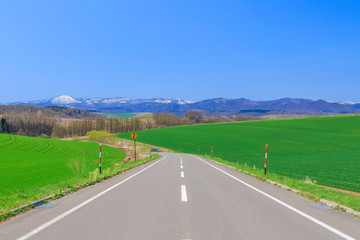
(194,116)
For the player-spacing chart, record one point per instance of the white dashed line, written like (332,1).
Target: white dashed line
(183,193)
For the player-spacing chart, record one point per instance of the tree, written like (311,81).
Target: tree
(194,116)
(148,123)
(168,119)
(4,126)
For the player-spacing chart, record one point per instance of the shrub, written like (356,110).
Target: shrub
(101,137)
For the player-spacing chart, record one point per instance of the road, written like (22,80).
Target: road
(180,197)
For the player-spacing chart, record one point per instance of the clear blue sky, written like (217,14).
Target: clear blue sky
(187,49)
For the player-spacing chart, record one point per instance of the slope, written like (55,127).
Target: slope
(325,149)
(32,168)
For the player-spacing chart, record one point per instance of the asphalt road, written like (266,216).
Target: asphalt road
(182,197)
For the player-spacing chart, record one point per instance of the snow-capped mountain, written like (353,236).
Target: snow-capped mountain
(220,106)
(344,102)
(84,103)
(64,99)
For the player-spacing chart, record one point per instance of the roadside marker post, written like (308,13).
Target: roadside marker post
(198,149)
(211,151)
(134,135)
(266,157)
(100,159)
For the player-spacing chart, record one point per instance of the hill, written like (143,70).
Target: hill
(50,111)
(39,121)
(32,168)
(325,149)
(216,106)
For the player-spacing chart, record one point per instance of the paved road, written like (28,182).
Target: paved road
(182,197)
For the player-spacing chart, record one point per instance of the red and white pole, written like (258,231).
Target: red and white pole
(100,159)
(266,157)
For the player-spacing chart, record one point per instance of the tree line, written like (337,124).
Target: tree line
(82,127)
(51,111)
(38,124)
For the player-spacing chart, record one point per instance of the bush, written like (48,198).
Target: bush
(101,137)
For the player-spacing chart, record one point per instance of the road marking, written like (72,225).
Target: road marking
(324,225)
(61,216)
(182,174)
(183,193)
(181,166)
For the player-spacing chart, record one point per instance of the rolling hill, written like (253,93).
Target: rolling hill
(325,149)
(32,168)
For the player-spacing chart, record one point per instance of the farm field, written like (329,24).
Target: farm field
(325,149)
(126,115)
(119,115)
(32,168)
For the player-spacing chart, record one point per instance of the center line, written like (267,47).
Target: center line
(182,174)
(183,193)
(181,166)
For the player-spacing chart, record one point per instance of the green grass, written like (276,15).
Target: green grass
(32,168)
(326,149)
(119,115)
(310,191)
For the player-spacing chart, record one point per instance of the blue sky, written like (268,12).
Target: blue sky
(187,49)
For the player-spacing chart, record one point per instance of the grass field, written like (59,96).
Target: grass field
(32,168)
(119,115)
(326,149)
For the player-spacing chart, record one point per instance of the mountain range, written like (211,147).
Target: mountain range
(216,106)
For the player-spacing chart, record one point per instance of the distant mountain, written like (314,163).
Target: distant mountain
(221,106)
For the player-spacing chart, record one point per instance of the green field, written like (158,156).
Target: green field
(326,149)
(32,168)
(119,115)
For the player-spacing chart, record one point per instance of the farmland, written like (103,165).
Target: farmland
(119,115)
(325,149)
(32,168)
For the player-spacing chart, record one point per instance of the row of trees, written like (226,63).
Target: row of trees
(82,127)
(52,111)
(38,124)
(194,117)
(118,125)
(29,124)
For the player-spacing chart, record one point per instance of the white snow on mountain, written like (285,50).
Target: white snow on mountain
(116,100)
(189,102)
(163,101)
(93,100)
(343,102)
(174,100)
(64,99)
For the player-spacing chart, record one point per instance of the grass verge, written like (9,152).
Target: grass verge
(93,178)
(307,189)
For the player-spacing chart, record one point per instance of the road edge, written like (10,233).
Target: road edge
(334,205)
